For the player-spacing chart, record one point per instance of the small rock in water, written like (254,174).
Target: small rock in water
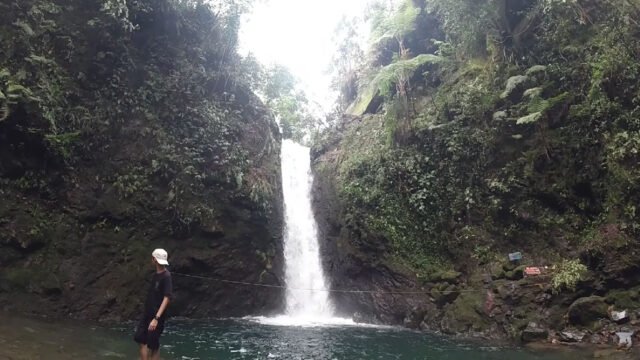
(572,336)
(534,332)
(625,339)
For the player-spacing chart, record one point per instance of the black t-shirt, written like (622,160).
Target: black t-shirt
(160,287)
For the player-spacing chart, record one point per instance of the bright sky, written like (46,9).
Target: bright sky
(298,34)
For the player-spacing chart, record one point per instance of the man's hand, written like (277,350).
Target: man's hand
(153,324)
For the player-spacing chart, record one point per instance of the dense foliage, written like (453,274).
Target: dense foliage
(281,93)
(127,125)
(85,79)
(504,125)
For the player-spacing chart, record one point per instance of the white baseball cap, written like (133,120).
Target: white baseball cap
(161,256)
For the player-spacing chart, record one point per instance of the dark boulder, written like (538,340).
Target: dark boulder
(414,317)
(444,294)
(586,310)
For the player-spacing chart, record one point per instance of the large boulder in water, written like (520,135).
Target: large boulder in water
(586,310)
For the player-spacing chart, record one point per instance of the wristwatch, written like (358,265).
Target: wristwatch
(156,318)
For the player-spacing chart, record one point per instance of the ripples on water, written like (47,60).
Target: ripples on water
(246,339)
(233,339)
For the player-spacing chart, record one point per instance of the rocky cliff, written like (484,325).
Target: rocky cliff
(125,127)
(515,132)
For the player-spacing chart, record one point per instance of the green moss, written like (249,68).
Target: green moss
(465,313)
(516,274)
(624,299)
(362,103)
(414,183)
(448,276)
(32,280)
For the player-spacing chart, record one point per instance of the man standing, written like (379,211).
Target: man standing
(152,322)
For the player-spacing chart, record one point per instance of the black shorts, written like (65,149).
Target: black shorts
(150,338)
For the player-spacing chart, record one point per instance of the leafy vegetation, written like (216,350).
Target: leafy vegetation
(280,91)
(518,130)
(125,126)
(567,274)
(86,80)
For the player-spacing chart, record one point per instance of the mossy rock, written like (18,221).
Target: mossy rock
(448,276)
(534,332)
(365,103)
(465,314)
(587,310)
(509,266)
(497,272)
(516,274)
(444,294)
(624,299)
(31,280)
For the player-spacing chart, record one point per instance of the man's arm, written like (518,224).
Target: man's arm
(167,290)
(163,306)
(154,323)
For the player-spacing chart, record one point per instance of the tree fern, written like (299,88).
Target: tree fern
(389,76)
(398,24)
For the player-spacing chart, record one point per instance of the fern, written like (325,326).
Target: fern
(539,107)
(397,25)
(529,119)
(389,76)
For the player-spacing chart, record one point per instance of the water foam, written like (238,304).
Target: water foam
(307,301)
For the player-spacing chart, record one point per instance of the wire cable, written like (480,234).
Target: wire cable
(243,283)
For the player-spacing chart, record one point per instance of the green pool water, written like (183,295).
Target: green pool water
(22,338)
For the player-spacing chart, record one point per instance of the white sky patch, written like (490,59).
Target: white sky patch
(298,34)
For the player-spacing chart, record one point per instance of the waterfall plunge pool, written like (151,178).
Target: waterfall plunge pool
(27,338)
(307,330)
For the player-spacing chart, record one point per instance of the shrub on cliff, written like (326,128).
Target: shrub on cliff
(468,168)
(158,80)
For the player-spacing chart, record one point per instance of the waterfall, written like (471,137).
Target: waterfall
(303,268)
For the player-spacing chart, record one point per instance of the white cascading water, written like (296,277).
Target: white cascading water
(303,269)
(307,301)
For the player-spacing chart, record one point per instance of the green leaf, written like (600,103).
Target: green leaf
(24,27)
(39,59)
(529,119)
(15,88)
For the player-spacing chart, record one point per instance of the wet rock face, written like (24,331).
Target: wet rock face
(83,250)
(354,262)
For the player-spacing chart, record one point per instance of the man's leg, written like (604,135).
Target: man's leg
(154,354)
(144,352)
(153,342)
